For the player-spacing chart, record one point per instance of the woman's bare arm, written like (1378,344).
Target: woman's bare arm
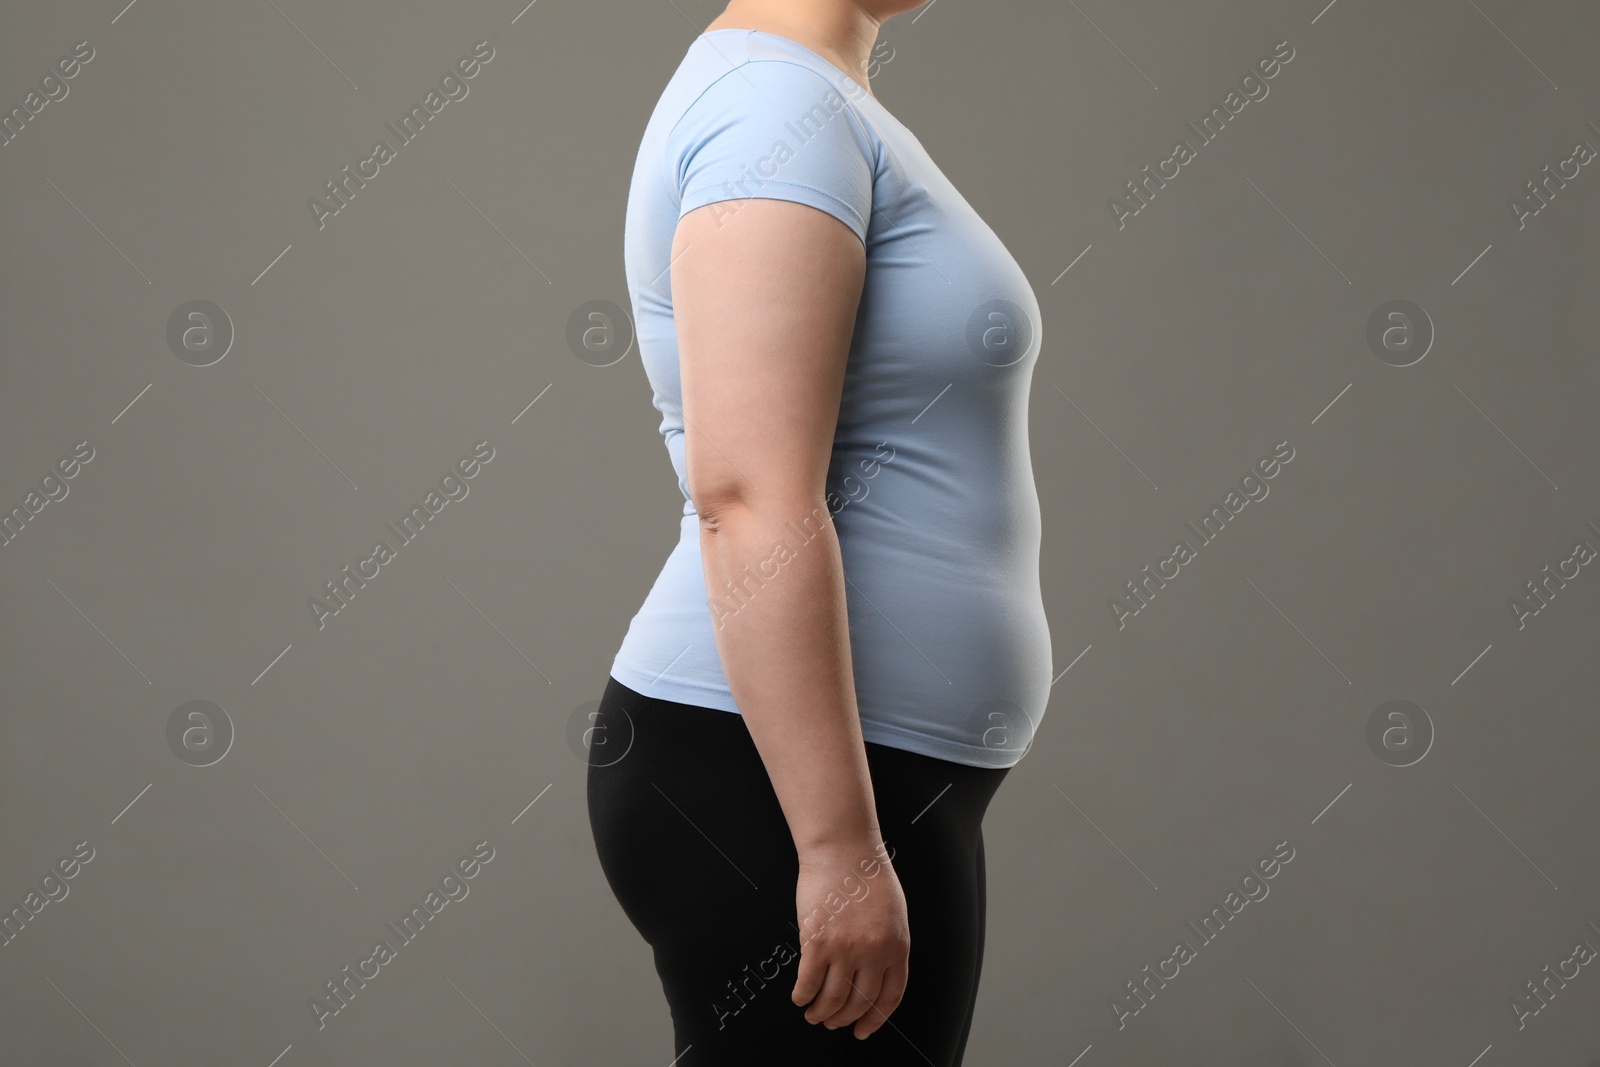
(765,294)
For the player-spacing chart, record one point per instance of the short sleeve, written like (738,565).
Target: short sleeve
(776,130)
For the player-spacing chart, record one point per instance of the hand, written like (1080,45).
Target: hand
(855,938)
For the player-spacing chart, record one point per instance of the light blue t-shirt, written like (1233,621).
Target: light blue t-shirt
(930,485)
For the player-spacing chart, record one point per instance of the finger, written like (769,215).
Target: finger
(887,1000)
(835,991)
(864,986)
(808,979)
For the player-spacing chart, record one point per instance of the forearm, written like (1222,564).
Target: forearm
(775,579)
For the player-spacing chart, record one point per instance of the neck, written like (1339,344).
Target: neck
(838,30)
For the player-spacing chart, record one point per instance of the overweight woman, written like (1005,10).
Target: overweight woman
(847,649)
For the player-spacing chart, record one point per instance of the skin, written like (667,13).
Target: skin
(765,294)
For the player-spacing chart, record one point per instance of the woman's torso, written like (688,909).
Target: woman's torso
(931,483)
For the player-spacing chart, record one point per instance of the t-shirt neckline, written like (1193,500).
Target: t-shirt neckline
(791,42)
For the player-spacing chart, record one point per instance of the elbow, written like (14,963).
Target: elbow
(719,511)
(716,510)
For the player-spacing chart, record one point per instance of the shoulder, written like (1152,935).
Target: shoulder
(753,83)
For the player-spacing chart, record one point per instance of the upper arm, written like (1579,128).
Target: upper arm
(765,306)
(768,264)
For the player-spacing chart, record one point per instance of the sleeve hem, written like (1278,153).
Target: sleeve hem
(793,191)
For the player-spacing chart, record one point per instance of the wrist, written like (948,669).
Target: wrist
(864,850)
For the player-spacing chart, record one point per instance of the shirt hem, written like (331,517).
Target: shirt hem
(681,691)
(677,690)
(939,747)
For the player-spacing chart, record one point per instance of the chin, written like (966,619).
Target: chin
(883,9)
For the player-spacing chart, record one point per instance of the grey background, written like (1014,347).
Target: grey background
(1229,715)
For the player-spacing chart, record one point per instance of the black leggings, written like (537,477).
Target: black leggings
(696,848)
